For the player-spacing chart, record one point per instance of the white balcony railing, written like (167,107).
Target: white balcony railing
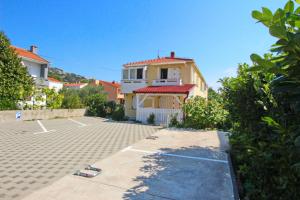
(159,82)
(162,115)
(128,86)
(39,81)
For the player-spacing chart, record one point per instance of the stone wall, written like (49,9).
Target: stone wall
(10,115)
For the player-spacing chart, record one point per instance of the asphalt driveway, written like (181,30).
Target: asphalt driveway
(34,154)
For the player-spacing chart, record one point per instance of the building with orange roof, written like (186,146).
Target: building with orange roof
(36,65)
(112,89)
(160,86)
(55,84)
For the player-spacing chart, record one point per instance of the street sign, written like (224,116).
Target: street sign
(18,115)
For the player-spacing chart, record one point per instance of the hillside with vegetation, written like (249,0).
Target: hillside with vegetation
(63,76)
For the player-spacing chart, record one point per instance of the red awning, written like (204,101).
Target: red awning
(170,89)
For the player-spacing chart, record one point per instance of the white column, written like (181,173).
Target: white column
(137,106)
(144,72)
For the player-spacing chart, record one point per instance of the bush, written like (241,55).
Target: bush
(71,101)
(174,122)
(118,113)
(201,113)
(110,107)
(264,109)
(151,119)
(88,91)
(54,100)
(96,105)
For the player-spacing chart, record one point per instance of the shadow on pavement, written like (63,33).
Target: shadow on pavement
(169,177)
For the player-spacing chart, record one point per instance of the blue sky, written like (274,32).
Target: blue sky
(94,38)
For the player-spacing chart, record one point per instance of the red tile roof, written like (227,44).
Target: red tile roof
(158,61)
(53,80)
(27,54)
(177,89)
(74,84)
(114,84)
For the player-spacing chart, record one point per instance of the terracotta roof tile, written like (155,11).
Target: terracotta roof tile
(74,84)
(158,60)
(27,54)
(177,89)
(53,80)
(114,84)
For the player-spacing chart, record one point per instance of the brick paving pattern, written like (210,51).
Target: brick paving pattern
(31,161)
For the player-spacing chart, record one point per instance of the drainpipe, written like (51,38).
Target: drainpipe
(187,95)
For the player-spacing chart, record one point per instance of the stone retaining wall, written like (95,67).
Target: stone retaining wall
(10,115)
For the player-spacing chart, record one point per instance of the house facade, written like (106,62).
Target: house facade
(112,89)
(37,67)
(160,86)
(55,84)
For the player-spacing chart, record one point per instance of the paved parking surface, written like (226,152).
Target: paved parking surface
(169,165)
(32,158)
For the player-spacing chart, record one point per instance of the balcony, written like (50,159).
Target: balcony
(40,82)
(128,86)
(161,82)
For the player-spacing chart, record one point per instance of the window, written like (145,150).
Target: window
(125,74)
(132,73)
(164,73)
(139,73)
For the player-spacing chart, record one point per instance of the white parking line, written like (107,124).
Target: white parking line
(77,122)
(43,128)
(173,155)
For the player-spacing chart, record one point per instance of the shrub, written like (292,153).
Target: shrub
(173,121)
(201,113)
(88,91)
(96,105)
(264,109)
(53,99)
(118,113)
(71,101)
(151,119)
(110,107)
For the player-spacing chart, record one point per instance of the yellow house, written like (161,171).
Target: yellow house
(160,86)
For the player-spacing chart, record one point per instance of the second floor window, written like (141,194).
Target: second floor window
(125,74)
(164,73)
(139,73)
(133,74)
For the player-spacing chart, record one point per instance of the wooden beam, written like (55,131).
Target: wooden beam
(143,99)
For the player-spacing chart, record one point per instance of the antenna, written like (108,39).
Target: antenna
(158,53)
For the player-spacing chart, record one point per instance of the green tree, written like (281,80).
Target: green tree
(89,90)
(53,99)
(15,82)
(71,99)
(96,105)
(264,108)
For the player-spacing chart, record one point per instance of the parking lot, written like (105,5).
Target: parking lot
(171,164)
(34,154)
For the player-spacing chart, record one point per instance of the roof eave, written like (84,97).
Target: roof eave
(34,60)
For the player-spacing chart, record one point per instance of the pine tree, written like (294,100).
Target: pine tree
(15,82)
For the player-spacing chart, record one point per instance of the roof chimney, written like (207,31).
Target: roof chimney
(172,54)
(33,49)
